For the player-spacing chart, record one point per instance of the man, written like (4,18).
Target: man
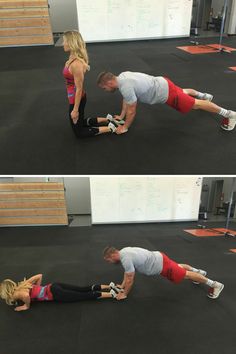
(154,263)
(136,87)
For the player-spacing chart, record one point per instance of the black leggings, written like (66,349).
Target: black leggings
(84,127)
(72,293)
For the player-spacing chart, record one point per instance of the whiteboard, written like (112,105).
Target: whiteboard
(111,20)
(144,199)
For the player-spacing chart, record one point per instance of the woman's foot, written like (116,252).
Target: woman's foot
(115,288)
(113,120)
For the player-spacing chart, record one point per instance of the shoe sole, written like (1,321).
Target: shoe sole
(227,129)
(215,297)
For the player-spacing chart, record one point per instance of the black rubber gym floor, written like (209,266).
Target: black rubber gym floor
(158,316)
(36,137)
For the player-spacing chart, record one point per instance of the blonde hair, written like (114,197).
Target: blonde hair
(77,46)
(8,288)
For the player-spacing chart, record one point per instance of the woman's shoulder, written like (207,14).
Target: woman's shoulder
(18,294)
(79,64)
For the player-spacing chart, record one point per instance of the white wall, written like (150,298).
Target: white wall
(112,20)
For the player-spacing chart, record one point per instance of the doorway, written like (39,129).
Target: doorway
(207,17)
(77,191)
(63,16)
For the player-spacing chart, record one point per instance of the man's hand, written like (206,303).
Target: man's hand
(121,296)
(74,116)
(121,130)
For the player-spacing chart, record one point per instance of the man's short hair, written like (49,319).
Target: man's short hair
(108,251)
(104,76)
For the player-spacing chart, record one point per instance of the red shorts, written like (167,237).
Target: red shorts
(172,270)
(178,99)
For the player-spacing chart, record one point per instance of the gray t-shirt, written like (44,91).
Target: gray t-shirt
(142,260)
(145,88)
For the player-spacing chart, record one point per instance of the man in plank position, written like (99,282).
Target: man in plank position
(135,87)
(156,263)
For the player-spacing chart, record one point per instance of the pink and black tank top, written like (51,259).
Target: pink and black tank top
(70,84)
(41,293)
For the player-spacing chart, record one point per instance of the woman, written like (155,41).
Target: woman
(73,72)
(30,290)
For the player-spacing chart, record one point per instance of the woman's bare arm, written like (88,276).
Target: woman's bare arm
(24,297)
(36,279)
(77,70)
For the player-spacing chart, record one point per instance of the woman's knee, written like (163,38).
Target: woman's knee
(91,122)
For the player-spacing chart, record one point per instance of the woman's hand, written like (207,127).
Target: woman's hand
(21,308)
(74,116)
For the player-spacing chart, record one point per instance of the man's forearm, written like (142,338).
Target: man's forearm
(127,286)
(124,109)
(127,283)
(129,120)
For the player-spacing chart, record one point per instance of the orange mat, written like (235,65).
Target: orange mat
(217,46)
(226,230)
(232,68)
(201,49)
(233,250)
(209,232)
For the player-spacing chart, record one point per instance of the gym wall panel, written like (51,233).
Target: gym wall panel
(31,186)
(15,13)
(33,212)
(32,204)
(22,221)
(19,3)
(32,195)
(13,32)
(12,204)
(25,23)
